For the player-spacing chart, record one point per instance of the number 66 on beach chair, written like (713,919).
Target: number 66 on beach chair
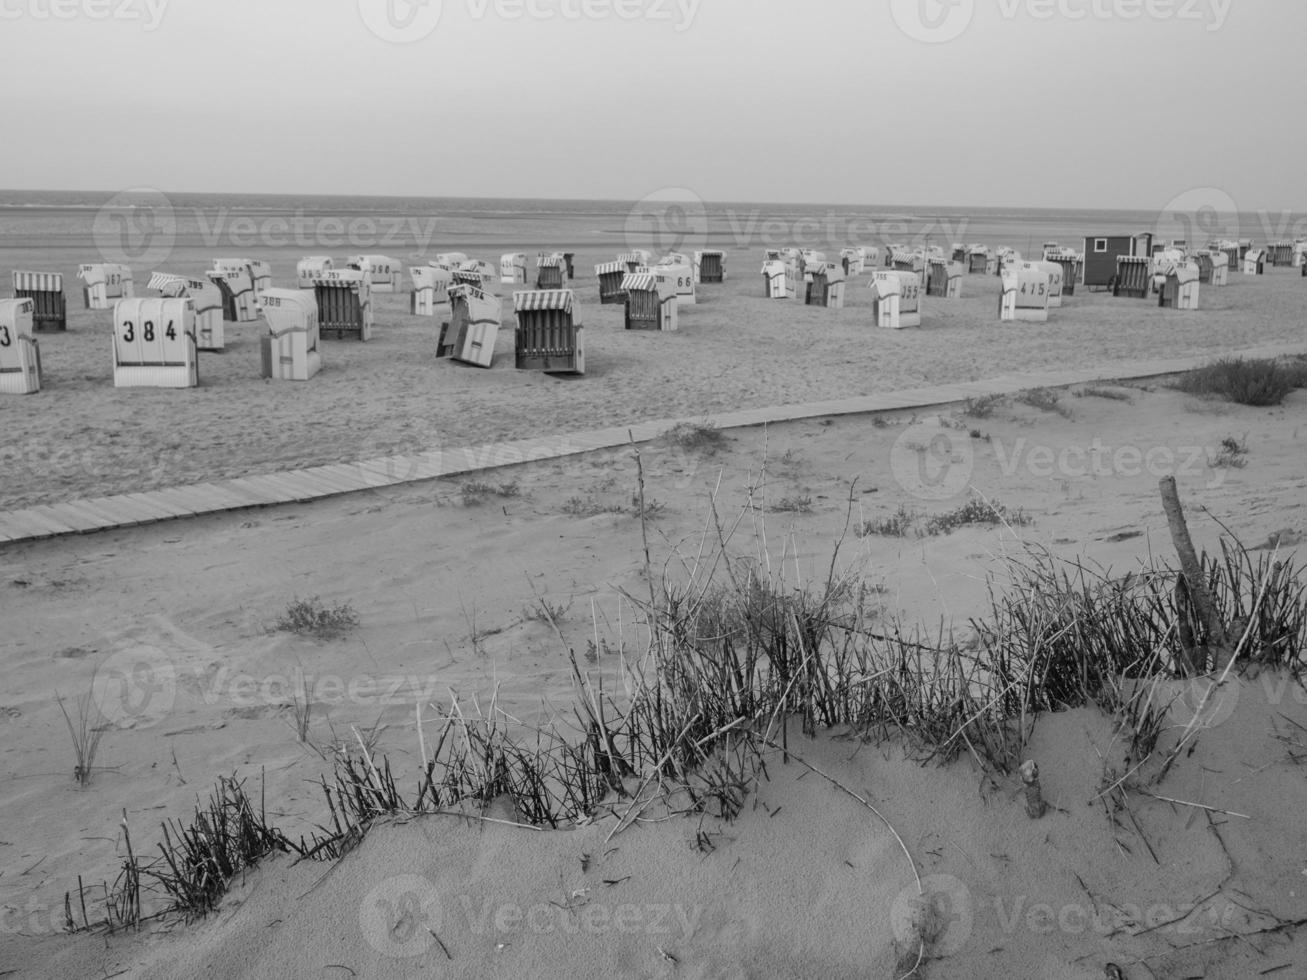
(290,348)
(104,283)
(207,299)
(46,291)
(154,344)
(20,357)
(547,339)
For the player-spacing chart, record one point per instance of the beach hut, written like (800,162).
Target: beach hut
(1280,254)
(1101,251)
(236,283)
(46,291)
(430,290)
(709,266)
(385,275)
(610,276)
(154,344)
(681,278)
(551,271)
(853,260)
(20,356)
(205,296)
(1025,294)
(547,338)
(290,349)
(980,260)
(1254,262)
(775,279)
(473,328)
(104,282)
(310,267)
(1134,276)
(895,299)
(1054,272)
(651,302)
(512,268)
(944,279)
(827,286)
(448,260)
(344,299)
(1179,289)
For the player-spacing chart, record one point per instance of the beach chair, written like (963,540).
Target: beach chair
(204,296)
(1054,272)
(344,300)
(1133,276)
(154,344)
(448,260)
(473,326)
(1280,254)
(551,272)
(809,259)
(1070,262)
(610,276)
(895,299)
(311,267)
(775,279)
(1299,254)
(20,355)
(567,264)
(709,266)
(978,261)
(46,291)
(512,268)
(681,278)
(1179,290)
(1025,293)
(959,253)
(385,275)
(104,283)
(547,338)
(853,260)
(236,283)
(1220,268)
(651,302)
(826,288)
(1006,260)
(261,276)
(290,349)
(1254,262)
(479,272)
(908,260)
(944,279)
(430,290)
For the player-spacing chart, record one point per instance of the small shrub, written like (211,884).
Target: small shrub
(701,436)
(1115,394)
(589,506)
(796,505)
(974,511)
(977,434)
(983,406)
(310,617)
(1246,382)
(85,733)
(897,525)
(1044,399)
(1233,454)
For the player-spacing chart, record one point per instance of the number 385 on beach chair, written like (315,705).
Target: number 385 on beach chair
(1025,294)
(473,326)
(547,338)
(207,299)
(103,283)
(310,267)
(46,291)
(154,344)
(20,357)
(290,349)
(344,298)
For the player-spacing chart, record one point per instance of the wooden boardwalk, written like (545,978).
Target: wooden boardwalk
(315,483)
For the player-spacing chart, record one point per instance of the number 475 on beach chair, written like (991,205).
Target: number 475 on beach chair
(20,357)
(46,291)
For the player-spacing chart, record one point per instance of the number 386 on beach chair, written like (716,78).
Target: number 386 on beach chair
(46,291)
(20,357)
(473,326)
(154,344)
(103,283)
(547,338)
(344,298)
(290,349)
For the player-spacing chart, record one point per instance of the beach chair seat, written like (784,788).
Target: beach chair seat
(709,266)
(473,326)
(478,272)
(681,278)
(104,283)
(980,261)
(551,271)
(207,299)
(46,291)
(1071,264)
(853,260)
(547,338)
(1254,262)
(944,279)
(1133,276)
(775,279)
(430,290)
(512,268)
(344,302)
(809,259)
(1179,290)
(1299,254)
(260,276)
(384,274)
(895,299)
(20,354)
(610,276)
(448,261)
(1025,293)
(1280,254)
(291,349)
(310,268)
(236,283)
(154,343)
(908,260)
(651,302)
(827,286)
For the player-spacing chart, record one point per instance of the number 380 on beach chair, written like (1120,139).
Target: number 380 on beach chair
(46,291)
(154,344)
(547,339)
(20,357)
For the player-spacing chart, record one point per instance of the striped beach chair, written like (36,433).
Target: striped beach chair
(1071,262)
(1133,276)
(311,267)
(651,302)
(104,283)
(291,347)
(1179,289)
(46,291)
(681,278)
(610,276)
(636,258)
(473,326)
(204,296)
(547,338)
(944,279)
(895,299)
(908,260)
(827,286)
(430,290)
(154,344)
(512,268)
(479,272)
(1025,293)
(551,271)
(236,282)
(1054,272)
(709,266)
(1280,254)
(344,298)
(20,355)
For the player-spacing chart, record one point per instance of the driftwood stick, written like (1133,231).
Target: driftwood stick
(1034,793)
(1192,571)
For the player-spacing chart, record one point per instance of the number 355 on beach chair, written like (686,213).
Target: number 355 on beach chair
(1025,294)
(290,348)
(473,327)
(651,302)
(46,291)
(20,357)
(154,344)
(896,298)
(547,339)
(207,299)
(104,283)
(344,299)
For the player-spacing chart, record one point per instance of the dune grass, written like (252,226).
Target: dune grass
(1248,382)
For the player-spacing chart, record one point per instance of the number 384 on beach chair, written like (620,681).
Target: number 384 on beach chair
(473,326)
(20,357)
(547,339)
(154,344)
(46,291)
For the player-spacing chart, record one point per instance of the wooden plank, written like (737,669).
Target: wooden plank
(249,497)
(216,498)
(107,517)
(314,487)
(124,512)
(41,525)
(178,498)
(269,487)
(90,519)
(150,506)
(339,479)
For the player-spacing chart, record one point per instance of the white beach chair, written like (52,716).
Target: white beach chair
(1025,294)
(430,290)
(104,283)
(205,296)
(512,268)
(20,356)
(311,267)
(896,298)
(154,344)
(290,349)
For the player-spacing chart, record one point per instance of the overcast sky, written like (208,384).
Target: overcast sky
(1048,103)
